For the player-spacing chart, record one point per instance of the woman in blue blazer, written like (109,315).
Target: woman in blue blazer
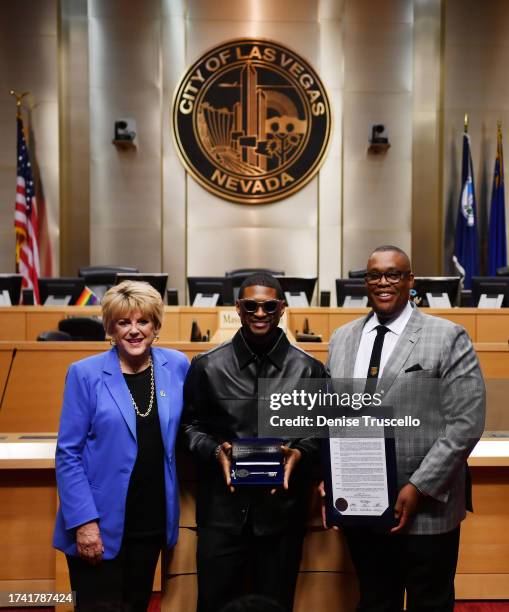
(115,457)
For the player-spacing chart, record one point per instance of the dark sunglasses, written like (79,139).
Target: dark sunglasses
(268,306)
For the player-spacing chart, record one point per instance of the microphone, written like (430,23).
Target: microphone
(4,390)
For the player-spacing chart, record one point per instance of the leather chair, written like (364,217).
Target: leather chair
(240,275)
(53,335)
(356,273)
(83,328)
(248,271)
(100,278)
(87,271)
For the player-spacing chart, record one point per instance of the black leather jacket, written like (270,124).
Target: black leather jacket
(220,404)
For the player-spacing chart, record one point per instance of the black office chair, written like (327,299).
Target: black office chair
(86,271)
(53,335)
(248,271)
(466,299)
(172,297)
(356,273)
(240,275)
(100,278)
(83,328)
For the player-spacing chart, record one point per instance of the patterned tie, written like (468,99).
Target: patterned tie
(374,362)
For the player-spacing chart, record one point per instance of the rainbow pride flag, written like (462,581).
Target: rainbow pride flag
(87,298)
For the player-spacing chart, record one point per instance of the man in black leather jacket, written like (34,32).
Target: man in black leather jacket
(248,530)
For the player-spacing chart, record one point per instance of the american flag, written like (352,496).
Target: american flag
(25,219)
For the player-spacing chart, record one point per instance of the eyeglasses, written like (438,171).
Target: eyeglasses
(268,306)
(392,276)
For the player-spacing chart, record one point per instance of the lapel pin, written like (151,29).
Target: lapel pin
(162,393)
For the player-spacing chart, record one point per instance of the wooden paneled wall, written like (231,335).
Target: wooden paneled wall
(26,322)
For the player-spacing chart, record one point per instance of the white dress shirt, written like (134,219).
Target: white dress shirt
(396,327)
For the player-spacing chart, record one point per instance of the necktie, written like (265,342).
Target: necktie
(374,362)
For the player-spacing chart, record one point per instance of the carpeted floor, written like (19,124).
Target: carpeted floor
(482,606)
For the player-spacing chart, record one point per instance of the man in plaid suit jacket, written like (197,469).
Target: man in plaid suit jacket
(419,554)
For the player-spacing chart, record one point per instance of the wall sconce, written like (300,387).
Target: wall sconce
(378,143)
(125,133)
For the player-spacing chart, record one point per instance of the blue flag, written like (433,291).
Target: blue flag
(466,246)
(497,244)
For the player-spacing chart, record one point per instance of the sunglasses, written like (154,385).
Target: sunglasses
(268,306)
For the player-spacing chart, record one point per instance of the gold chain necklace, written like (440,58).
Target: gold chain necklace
(152,394)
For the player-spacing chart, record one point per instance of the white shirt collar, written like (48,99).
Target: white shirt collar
(396,326)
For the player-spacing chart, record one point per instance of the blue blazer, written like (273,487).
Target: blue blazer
(96,448)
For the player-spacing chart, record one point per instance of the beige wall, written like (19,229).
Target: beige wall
(475,58)
(74,137)
(330,179)
(175,184)
(415,65)
(378,89)
(29,62)
(426,138)
(125,81)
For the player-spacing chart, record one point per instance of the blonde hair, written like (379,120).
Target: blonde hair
(127,297)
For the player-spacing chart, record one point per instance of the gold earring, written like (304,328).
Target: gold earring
(112,342)
(156,338)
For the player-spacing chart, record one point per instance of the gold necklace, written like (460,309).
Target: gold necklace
(152,394)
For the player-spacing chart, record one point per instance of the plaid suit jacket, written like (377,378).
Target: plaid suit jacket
(433,374)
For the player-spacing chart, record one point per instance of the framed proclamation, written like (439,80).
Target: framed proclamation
(360,481)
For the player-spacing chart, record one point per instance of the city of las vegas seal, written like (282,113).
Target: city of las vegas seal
(251,121)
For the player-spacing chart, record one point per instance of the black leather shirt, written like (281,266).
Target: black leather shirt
(220,396)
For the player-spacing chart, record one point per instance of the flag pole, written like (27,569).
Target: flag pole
(19,100)
(19,103)
(497,240)
(25,215)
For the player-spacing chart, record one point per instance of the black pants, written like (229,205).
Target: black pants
(424,565)
(231,565)
(123,584)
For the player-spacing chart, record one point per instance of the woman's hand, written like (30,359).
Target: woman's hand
(89,543)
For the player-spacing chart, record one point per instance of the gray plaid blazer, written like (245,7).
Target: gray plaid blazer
(433,374)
